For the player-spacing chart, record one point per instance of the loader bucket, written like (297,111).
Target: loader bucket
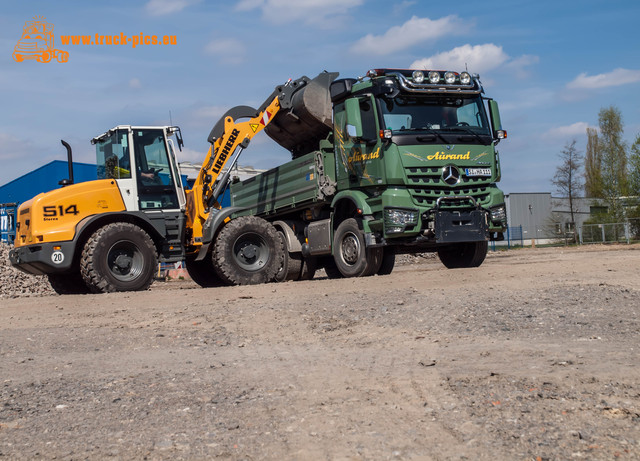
(300,128)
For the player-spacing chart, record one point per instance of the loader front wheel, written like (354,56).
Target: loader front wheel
(68,284)
(118,257)
(248,251)
(202,272)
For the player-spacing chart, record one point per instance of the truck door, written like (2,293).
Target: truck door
(358,145)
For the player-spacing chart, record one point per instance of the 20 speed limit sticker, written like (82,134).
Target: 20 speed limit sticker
(57,257)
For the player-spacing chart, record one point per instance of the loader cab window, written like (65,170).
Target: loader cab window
(112,156)
(156,186)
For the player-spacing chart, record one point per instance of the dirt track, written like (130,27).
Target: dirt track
(532,356)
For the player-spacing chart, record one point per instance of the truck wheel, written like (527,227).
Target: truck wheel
(459,255)
(350,253)
(291,264)
(331,268)
(388,261)
(68,284)
(248,251)
(202,272)
(118,257)
(18,57)
(309,267)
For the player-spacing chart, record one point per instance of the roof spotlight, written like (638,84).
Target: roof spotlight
(465,78)
(434,77)
(449,78)
(418,76)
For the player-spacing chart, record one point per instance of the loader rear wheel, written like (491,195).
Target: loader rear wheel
(202,272)
(467,254)
(68,284)
(248,251)
(351,255)
(118,257)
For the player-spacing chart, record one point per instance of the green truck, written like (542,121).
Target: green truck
(399,161)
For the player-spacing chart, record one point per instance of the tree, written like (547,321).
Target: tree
(568,180)
(613,151)
(634,168)
(592,166)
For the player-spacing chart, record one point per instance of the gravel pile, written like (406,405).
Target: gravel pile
(14,284)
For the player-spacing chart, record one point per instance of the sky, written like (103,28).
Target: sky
(551,65)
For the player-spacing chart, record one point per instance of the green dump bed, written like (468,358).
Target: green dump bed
(291,186)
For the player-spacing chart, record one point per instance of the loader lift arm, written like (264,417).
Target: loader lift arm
(229,137)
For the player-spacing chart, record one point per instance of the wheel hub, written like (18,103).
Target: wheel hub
(350,249)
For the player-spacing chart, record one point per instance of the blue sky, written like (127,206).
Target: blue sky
(552,66)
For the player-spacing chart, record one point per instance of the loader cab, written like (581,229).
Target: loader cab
(143,163)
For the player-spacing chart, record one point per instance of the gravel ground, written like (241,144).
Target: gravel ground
(533,356)
(14,283)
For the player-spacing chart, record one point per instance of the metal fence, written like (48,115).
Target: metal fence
(513,238)
(625,232)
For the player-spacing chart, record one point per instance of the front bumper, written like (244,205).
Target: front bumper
(43,258)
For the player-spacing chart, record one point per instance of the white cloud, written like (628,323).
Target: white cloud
(575,129)
(616,77)
(162,7)
(478,58)
(135,83)
(416,30)
(307,11)
(228,50)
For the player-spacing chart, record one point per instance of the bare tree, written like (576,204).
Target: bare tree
(568,180)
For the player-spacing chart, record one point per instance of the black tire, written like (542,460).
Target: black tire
(248,251)
(331,269)
(388,261)
(350,253)
(202,272)
(309,267)
(119,257)
(460,255)
(291,263)
(68,284)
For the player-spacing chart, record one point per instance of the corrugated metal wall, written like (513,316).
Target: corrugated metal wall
(531,211)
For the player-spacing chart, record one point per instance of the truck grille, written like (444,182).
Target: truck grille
(426,186)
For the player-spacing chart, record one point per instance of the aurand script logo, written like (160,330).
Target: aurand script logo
(38,42)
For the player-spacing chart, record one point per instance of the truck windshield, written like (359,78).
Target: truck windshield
(429,113)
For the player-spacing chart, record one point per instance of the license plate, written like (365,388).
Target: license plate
(477,171)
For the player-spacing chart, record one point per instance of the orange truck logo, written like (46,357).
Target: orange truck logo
(37,42)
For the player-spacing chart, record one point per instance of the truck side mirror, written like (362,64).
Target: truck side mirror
(354,120)
(494,113)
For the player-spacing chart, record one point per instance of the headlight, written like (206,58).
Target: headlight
(397,220)
(499,213)
(450,78)
(434,77)
(418,76)
(465,78)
